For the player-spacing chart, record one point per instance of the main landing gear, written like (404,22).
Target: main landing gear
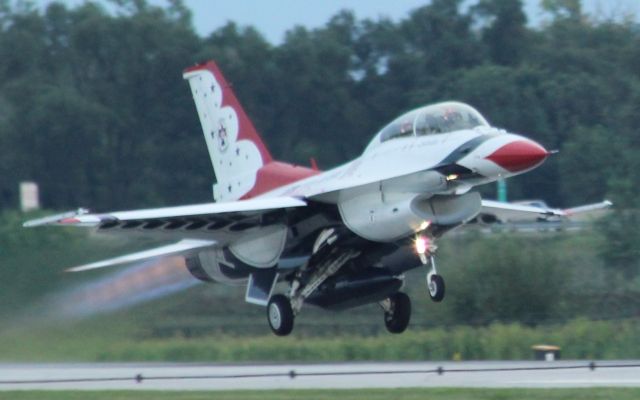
(280,315)
(325,262)
(397,312)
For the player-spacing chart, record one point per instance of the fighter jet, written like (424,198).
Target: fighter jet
(335,239)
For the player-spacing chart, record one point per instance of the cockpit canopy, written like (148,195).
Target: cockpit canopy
(433,119)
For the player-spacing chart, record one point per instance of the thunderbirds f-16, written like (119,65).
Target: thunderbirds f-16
(335,239)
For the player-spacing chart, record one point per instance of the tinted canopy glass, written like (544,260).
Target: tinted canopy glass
(434,119)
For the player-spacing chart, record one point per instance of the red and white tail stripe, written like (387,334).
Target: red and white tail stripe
(243,166)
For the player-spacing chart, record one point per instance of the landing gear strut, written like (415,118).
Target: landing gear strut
(326,260)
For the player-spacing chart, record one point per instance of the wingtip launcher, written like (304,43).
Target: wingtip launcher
(78,217)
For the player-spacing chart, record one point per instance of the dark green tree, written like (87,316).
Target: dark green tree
(505,33)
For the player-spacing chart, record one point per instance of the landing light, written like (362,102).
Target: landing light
(424,225)
(422,245)
(452,177)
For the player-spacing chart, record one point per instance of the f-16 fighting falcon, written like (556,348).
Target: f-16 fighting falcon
(335,239)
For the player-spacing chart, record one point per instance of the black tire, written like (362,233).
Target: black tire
(280,315)
(397,319)
(438,294)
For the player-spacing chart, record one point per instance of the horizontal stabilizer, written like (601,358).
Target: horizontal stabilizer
(516,212)
(181,247)
(538,210)
(587,209)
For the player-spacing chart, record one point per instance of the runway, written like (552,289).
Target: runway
(480,374)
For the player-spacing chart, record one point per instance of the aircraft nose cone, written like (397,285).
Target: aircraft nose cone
(519,155)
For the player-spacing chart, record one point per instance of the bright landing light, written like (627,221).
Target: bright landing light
(421,244)
(424,225)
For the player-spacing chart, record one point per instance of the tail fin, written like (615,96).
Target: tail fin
(242,164)
(235,148)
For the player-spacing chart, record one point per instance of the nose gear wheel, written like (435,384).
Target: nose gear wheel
(435,284)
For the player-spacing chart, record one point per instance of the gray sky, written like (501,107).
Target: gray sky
(274,17)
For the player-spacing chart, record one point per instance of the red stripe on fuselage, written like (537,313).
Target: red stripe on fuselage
(277,174)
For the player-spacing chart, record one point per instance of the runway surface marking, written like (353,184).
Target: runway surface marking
(576,374)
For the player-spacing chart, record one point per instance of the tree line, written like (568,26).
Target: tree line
(93,107)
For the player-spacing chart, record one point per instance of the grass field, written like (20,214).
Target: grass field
(115,340)
(381,394)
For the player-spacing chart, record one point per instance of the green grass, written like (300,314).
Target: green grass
(381,394)
(580,339)
(115,339)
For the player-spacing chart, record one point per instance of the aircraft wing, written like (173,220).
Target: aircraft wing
(162,216)
(194,226)
(514,212)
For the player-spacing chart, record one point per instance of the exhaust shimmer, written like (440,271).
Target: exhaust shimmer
(124,288)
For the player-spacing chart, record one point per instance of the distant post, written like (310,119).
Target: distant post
(502,190)
(29,197)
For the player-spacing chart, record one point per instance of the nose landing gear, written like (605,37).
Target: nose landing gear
(435,283)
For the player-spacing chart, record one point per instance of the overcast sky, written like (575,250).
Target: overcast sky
(274,17)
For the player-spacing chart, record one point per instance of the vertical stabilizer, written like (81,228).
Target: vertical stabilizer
(235,148)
